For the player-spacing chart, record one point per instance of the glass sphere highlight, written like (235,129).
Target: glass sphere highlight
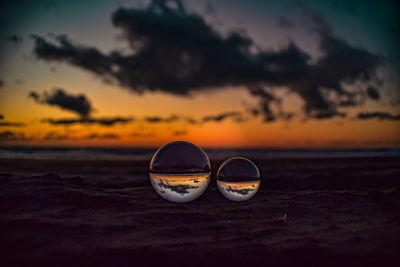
(238,179)
(180,172)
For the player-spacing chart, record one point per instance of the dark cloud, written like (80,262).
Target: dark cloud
(350,100)
(87,121)
(373,93)
(78,104)
(250,109)
(378,115)
(55,136)
(255,112)
(265,103)
(10,124)
(329,114)
(157,119)
(209,118)
(86,58)
(341,63)
(221,117)
(2,83)
(188,55)
(236,116)
(14,38)
(102,136)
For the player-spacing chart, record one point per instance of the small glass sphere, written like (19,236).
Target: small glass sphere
(180,171)
(238,179)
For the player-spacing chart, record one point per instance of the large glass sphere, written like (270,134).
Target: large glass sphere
(180,171)
(238,179)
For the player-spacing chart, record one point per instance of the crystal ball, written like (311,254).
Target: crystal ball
(238,179)
(180,171)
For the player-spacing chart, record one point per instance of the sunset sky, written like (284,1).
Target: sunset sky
(222,73)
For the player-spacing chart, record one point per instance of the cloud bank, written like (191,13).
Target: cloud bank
(177,52)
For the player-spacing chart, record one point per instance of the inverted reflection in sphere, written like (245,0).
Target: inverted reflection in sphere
(238,179)
(180,171)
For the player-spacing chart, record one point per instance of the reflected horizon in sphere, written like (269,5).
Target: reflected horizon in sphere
(180,172)
(238,179)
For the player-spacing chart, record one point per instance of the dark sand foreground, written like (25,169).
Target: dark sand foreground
(339,212)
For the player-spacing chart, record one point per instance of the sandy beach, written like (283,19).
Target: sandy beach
(308,212)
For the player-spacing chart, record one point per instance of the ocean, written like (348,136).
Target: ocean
(112,153)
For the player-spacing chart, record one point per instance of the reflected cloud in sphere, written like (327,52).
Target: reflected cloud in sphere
(238,179)
(180,172)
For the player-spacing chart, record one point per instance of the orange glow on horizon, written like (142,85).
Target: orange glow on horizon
(250,133)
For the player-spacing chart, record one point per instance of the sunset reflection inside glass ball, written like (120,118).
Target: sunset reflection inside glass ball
(238,179)
(180,172)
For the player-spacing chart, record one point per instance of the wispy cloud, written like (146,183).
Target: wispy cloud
(87,121)
(10,123)
(158,119)
(221,117)
(102,136)
(378,115)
